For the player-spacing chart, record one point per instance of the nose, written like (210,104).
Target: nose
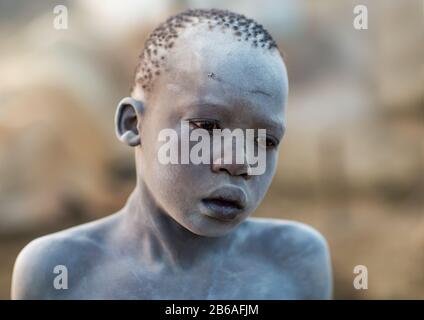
(237,165)
(233,168)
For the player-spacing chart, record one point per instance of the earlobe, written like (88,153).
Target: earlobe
(128,114)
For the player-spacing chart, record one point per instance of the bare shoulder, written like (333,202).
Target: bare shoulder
(289,235)
(40,261)
(297,247)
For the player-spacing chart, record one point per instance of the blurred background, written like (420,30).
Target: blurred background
(351,164)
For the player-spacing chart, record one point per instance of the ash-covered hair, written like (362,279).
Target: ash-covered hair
(163,38)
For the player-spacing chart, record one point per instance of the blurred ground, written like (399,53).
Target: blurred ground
(351,165)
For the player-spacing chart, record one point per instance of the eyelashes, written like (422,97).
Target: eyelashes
(268,142)
(206,124)
(211,124)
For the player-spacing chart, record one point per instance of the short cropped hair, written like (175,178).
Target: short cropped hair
(163,38)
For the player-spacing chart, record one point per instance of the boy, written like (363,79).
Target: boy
(184,232)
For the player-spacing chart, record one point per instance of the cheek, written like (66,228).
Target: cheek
(271,164)
(177,176)
(178,187)
(182,177)
(259,184)
(259,187)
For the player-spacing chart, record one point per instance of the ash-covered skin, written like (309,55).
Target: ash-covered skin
(161,244)
(248,89)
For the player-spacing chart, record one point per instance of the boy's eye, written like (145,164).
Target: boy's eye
(207,125)
(268,142)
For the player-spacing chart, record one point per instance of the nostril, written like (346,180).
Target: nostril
(246,176)
(232,169)
(225,170)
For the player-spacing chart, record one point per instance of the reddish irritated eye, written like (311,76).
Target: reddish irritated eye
(207,125)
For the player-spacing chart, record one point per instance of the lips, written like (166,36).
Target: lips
(225,203)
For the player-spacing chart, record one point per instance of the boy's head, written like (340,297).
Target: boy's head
(215,69)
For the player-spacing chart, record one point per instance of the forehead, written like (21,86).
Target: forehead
(213,67)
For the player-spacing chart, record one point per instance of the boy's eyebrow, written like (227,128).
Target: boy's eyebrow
(277,126)
(259,91)
(210,105)
(254,91)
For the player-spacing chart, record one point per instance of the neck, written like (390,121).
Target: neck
(160,237)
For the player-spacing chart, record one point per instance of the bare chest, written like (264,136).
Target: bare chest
(234,278)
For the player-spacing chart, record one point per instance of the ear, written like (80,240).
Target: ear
(128,114)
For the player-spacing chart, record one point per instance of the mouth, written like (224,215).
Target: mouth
(225,203)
